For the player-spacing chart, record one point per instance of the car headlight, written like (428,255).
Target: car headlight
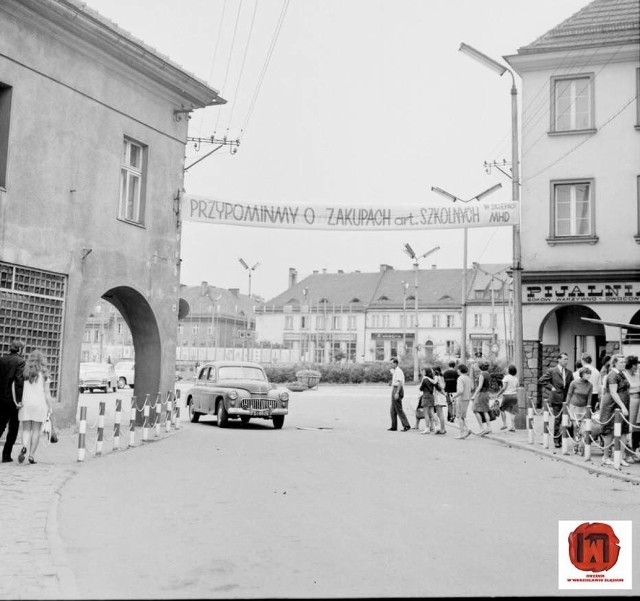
(233,394)
(284,396)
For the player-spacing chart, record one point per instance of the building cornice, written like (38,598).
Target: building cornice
(571,59)
(94,31)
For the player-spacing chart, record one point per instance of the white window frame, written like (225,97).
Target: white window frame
(450,347)
(288,322)
(451,321)
(477,320)
(336,322)
(131,207)
(577,83)
(352,323)
(572,235)
(435,321)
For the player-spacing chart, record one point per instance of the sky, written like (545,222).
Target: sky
(352,102)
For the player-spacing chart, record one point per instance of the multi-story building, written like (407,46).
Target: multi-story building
(93,130)
(580,183)
(328,317)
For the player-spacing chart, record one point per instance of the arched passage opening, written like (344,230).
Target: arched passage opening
(633,336)
(129,332)
(564,330)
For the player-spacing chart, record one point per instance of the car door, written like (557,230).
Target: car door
(211,390)
(200,391)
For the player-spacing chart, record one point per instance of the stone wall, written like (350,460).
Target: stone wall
(537,359)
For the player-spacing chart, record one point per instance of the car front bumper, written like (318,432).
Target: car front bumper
(257,412)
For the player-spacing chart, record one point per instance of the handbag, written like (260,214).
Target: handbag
(420,410)
(46,428)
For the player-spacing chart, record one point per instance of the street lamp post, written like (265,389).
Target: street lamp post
(500,69)
(405,286)
(416,265)
(250,270)
(463,332)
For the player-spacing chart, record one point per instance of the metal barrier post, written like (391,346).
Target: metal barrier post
(100,439)
(530,423)
(617,433)
(116,425)
(564,428)
(545,431)
(145,425)
(167,421)
(177,420)
(82,431)
(158,413)
(587,435)
(132,422)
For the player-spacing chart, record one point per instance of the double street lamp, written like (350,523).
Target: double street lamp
(500,69)
(250,270)
(416,264)
(463,332)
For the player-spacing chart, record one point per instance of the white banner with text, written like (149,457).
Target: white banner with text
(354,217)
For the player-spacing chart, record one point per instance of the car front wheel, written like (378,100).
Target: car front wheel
(222,415)
(194,416)
(278,421)
(121,382)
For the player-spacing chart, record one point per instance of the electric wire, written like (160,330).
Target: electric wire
(213,60)
(244,60)
(274,40)
(226,74)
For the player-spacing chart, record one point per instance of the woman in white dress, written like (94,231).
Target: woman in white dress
(36,403)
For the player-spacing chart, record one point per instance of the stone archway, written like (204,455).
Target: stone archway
(633,335)
(142,323)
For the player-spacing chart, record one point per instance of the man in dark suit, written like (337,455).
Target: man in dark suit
(556,380)
(11,383)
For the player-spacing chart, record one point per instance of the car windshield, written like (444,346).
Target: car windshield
(241,372)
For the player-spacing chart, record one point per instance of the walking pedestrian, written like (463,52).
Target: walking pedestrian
(11,384)
(480,400)
(616,396)
(439,399)
(427,386)
(509,394)
(450,376)
(632,374)
(594,378)
(579,398)
(397,394)
(36,403)
(557,380)
(462,398)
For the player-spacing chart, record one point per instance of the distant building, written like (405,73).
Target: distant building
(93,130)
(356,317)
(580,183)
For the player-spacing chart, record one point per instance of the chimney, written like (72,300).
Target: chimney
(340,270)
(234,291)
(434,267)
(293,277)
(204,288)
(324,270)
(315,271)
(385,267)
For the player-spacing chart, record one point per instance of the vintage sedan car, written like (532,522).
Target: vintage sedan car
(101,376)
(236,390)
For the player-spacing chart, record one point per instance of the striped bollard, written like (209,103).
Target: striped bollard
(158,413)
(145,425)
(564,429)
(177,418)
(100,439)
(530,424)
(587,435)
(617,433)
(545,423)
(167,420)
(132,422)
(82,432)
(116,425)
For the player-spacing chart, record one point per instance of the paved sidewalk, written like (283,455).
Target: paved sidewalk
(32,553)
(520,439)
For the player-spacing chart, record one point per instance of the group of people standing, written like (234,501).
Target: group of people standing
(25,399)
(615,386)
(455,389)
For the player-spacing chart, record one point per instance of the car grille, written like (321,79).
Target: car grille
(258,404)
